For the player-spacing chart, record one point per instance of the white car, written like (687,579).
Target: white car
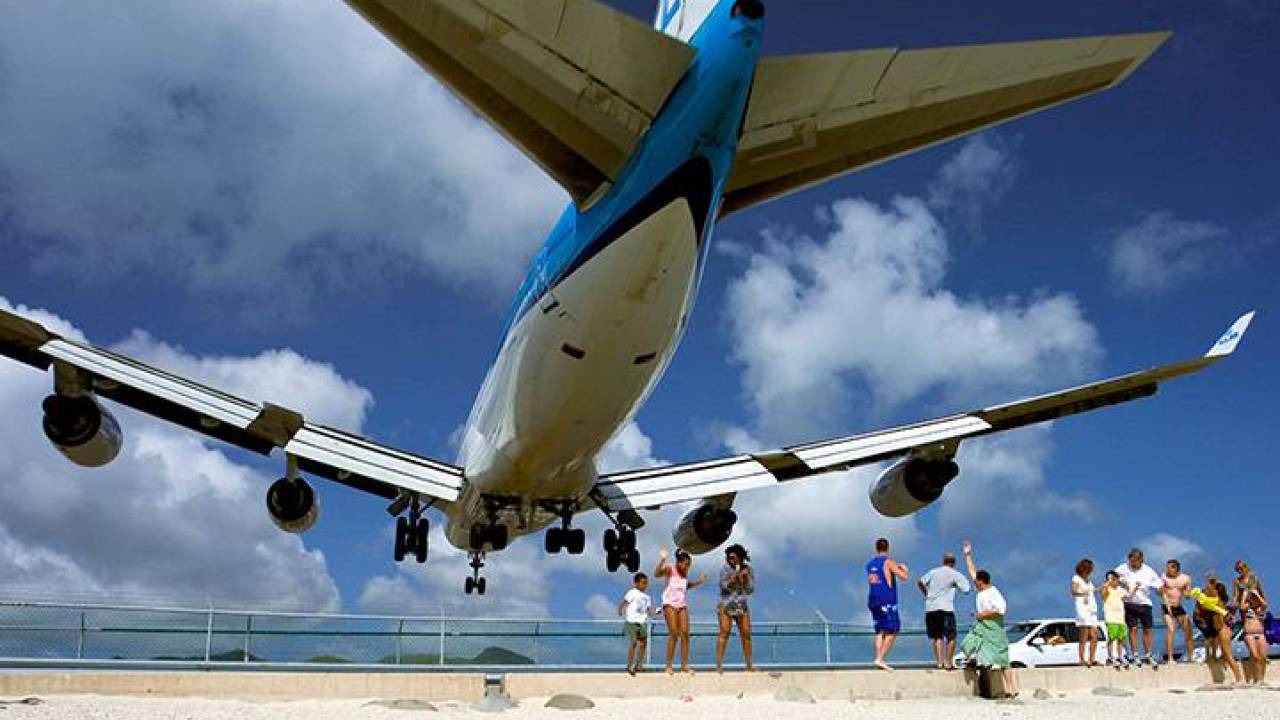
(1040,643)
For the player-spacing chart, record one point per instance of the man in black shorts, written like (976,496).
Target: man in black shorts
(939,586)
(1139,580)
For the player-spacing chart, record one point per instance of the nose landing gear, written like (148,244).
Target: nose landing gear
(475,583)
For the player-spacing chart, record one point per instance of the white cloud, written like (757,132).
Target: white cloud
(1161,252)
(599,607)
(173,518)
(975,179)
(1163,546)
(862,315)
(251,150)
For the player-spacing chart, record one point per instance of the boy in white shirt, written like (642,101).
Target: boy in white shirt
(636,608)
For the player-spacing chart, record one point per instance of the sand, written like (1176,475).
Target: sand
(1242,704)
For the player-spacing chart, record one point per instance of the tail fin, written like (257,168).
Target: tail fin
(682,18)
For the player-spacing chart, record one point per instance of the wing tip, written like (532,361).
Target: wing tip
(1230,339)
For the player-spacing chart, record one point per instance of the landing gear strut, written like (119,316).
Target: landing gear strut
(491,533)
(566,537)
(475,583)
(412,533)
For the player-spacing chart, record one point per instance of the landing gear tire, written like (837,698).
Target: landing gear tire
(610,541)
(633,561)
(575,541)
(476,584)
(421,541)
(402,538)
(612,562)
(555,540)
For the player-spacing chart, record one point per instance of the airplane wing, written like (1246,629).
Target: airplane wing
(257,426)
(572,83)
(813,117)
(654,487)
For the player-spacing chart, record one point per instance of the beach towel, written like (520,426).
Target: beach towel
(987,644)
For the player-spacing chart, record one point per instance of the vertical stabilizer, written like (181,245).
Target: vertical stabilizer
(682,18)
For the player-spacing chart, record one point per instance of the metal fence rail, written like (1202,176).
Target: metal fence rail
(38,633)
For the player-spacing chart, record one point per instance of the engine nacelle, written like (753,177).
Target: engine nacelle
(704,528)
(82,430)
(911,484)
(293,505)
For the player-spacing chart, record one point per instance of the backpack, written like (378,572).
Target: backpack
(1272,627)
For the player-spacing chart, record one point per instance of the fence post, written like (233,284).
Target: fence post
(400,642)
(648,648)
(536,627)
(80,640)
(826,635)
(248,630)
(440,660)
(208,637)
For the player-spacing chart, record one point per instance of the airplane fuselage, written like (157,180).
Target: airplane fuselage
(602,309)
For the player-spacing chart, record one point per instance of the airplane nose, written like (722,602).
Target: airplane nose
(750,9)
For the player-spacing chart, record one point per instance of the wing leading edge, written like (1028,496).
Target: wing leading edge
(704,480)
(260,427)
(814,117)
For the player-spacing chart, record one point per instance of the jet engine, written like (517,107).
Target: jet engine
(81,429)
(704,528)
(911,484)
(293,505)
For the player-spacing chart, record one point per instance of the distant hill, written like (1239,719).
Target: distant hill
(489,656)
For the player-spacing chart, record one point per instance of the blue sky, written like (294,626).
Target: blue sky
(238,178)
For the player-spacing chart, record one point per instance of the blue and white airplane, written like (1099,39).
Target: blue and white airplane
(655,133)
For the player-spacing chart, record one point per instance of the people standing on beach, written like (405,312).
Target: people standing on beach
(1083,594)
(939,586)
(636,610)
(883,574)
(1113,614)
(1252,612)
(1222,628)
(675,604)
(1139,579)
(737,581)
(1246,581)
(1176,585)
(987,643)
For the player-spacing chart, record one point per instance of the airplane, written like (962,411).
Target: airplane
(655,133)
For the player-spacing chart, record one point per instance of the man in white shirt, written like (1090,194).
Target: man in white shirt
(1139,580)
(939,586)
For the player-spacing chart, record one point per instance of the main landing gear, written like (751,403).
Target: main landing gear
(620,549)
(566,537)
(475,583)
(412,533)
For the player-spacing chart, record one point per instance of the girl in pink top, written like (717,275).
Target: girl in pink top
(675,605)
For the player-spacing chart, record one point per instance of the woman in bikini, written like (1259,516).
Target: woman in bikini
(1253,610)
(675,605)
(1223,630)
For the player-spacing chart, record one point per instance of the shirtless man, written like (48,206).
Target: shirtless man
(1176,585)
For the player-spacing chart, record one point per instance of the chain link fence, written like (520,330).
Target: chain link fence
(37,633)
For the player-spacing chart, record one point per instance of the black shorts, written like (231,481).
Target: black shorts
(1176,611)
(940,625)
(1138,616)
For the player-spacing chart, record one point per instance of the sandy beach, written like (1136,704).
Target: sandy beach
(1251,704)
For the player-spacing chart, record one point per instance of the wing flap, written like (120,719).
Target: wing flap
(813,117)
(572,83)
(708,479)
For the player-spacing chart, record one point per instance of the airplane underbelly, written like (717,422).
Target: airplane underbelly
(577,365)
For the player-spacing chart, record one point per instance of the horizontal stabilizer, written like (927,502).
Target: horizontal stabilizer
(814,117)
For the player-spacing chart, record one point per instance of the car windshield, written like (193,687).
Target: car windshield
(1019,630)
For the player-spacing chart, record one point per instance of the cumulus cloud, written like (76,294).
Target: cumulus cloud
(251,150)
(862,314)
(172,518)
(975,179)
(599,607)
(1164,546)
(1161,252)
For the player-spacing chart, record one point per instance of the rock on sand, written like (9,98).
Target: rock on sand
(569,701)
(792,694)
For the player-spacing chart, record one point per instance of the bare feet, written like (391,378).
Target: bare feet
(670,671)
(883,666)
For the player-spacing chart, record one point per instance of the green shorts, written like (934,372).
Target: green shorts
(1117,631)
(637,631)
